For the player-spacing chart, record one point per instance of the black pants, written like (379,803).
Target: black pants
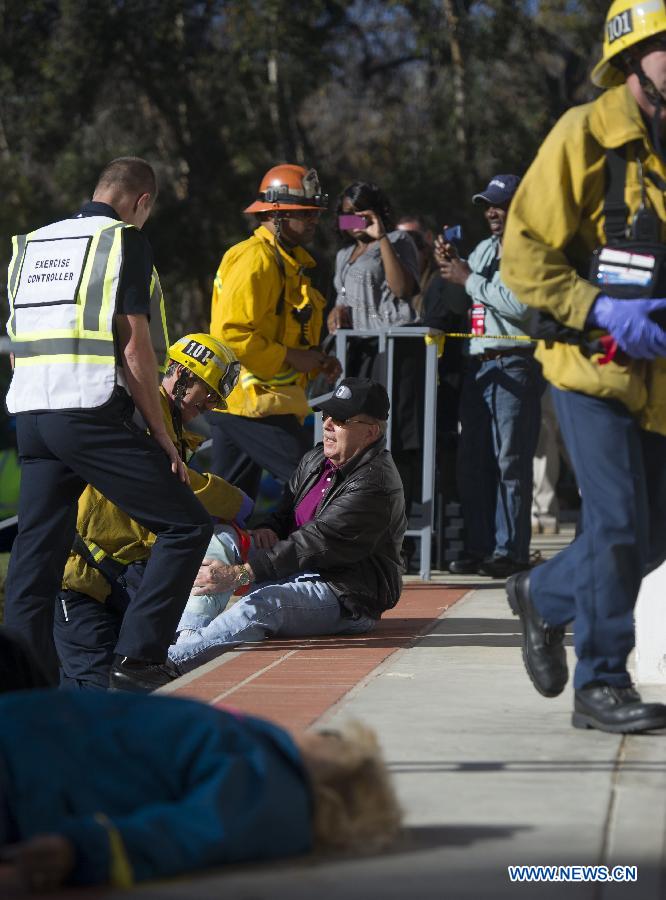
(86,631)
(242,447)
(61,452)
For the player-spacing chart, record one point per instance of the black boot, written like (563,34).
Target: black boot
(501,567)
(543,645)
(466,565)
(139,676)
(619,710)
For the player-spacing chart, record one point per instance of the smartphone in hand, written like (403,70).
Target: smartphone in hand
(352,223)
(453,233)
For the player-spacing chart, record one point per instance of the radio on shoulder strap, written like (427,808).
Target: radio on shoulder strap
(632,262)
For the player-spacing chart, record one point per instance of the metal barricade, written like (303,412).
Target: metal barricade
(421,518)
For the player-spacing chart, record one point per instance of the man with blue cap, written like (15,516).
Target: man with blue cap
(499,403)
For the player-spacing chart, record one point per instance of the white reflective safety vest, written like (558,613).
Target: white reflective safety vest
(62,287)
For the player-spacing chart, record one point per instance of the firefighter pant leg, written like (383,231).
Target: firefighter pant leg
(595,580)
(242,447)
(61,452)
(86,631)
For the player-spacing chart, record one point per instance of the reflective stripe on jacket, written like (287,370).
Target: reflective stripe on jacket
(62,286)
(556,221)
(257,309)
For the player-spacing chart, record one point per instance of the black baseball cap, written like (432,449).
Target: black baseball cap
(499,191)
(356,396)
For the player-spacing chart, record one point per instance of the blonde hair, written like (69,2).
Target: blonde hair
(355,806)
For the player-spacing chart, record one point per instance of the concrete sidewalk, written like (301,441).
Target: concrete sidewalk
(489,773)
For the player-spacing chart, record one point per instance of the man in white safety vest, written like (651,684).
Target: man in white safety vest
(88,336)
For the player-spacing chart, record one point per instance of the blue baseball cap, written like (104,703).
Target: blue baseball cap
(500,190)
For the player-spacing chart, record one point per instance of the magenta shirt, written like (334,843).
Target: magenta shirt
(305,511)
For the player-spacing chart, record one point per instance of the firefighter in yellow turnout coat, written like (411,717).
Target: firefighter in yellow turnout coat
(111,549)
(267,311)
(597,184)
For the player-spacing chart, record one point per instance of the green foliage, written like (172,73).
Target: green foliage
(215,91)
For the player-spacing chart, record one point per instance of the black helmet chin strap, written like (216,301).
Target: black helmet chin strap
(179,389)
(277,239)
(657,99)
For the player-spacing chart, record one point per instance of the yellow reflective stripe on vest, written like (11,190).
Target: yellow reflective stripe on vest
(282,378)
(159,333)
(19,242)
(63,358)
(94,302)
(108,305)
(64,347)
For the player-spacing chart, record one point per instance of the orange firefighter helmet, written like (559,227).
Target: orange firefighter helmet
(289,187)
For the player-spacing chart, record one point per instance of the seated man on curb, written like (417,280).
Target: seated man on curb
(108,559)
(328,560)
(174,786)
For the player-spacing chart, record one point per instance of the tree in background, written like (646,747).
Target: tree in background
(426,97)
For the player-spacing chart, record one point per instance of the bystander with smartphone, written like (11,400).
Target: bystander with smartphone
(499,404)
(376,280)
(377,269)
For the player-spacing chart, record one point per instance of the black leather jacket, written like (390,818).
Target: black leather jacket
(355,538)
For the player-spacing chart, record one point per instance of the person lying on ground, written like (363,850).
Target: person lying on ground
(119,788)
(328,560)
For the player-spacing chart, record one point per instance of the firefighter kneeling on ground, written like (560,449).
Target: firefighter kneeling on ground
(110,551)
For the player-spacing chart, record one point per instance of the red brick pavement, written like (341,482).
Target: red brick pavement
(294,682)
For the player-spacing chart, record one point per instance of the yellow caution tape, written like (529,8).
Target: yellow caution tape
(488,337)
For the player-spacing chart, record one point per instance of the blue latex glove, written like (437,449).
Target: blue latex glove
(245,511)
(629,322)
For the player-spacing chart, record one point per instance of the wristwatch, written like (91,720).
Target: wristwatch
(243,576)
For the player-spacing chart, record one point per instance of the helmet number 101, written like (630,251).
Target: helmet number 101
(198,351)
(620,25)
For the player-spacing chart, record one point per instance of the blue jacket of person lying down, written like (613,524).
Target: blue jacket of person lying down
(146,786)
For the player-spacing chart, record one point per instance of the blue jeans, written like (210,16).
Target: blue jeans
(500,416)
(301,606)
(201,609)
(621,473)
